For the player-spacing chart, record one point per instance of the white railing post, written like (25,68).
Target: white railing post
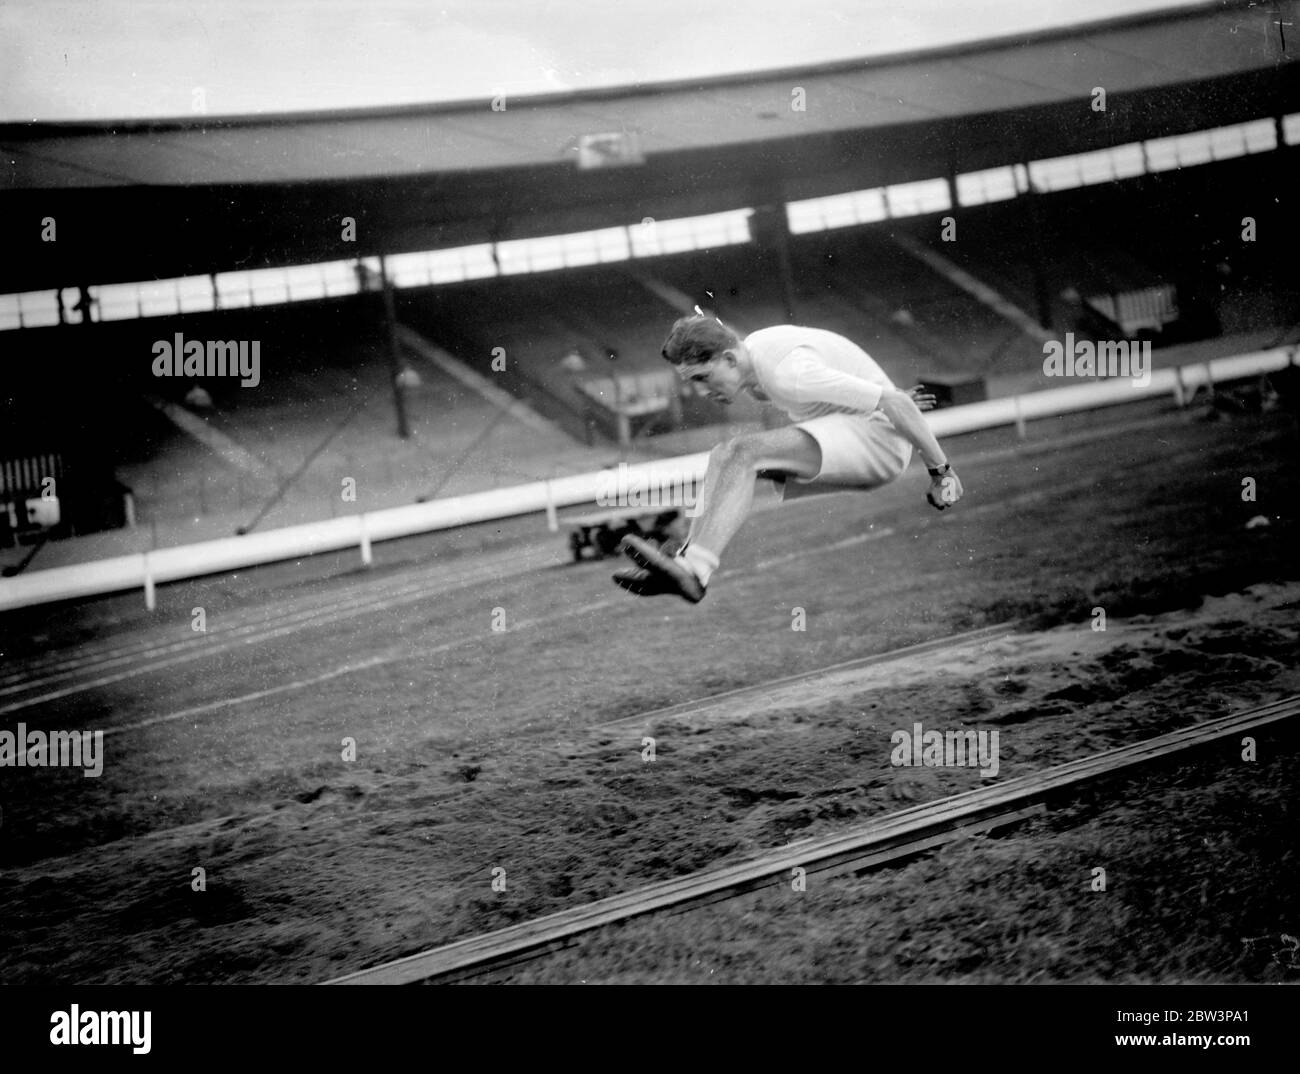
(552,520)
(366,557)
(150,597)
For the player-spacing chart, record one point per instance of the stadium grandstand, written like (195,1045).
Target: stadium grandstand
(543,252)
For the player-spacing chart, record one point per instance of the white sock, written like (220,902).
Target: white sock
(701,561)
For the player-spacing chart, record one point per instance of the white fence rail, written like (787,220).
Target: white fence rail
(146,569)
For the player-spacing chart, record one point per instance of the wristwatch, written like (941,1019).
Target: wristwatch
(946,468)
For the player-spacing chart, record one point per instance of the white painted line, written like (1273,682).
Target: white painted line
(390,656)
(257,695)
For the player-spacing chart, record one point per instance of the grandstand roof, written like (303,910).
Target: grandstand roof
(217,193)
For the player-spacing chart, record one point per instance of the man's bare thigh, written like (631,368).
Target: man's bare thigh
(785,452)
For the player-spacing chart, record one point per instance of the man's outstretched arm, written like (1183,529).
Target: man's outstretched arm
(906,418)
(945,485)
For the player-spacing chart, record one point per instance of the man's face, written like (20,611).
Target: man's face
(718,379)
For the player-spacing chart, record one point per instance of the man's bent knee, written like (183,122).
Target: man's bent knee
(744,450)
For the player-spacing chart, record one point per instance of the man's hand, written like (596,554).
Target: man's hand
(922,397)
(945,488)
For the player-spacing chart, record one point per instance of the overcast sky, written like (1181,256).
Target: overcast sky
(119,59)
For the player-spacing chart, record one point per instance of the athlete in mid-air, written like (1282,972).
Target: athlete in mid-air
(852,430)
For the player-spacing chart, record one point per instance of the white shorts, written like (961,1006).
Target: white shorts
(859,451)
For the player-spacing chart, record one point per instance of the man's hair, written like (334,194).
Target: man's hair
(697,339)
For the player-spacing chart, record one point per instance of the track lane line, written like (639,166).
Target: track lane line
(389,656)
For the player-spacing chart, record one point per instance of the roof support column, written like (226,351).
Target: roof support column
(394,350)
(770,230)
(1042,295)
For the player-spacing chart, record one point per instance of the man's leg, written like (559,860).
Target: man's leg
(728,491)
(723,505)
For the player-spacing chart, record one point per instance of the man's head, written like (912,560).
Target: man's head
(708,354)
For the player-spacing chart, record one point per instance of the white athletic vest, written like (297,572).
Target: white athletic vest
(769,346)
